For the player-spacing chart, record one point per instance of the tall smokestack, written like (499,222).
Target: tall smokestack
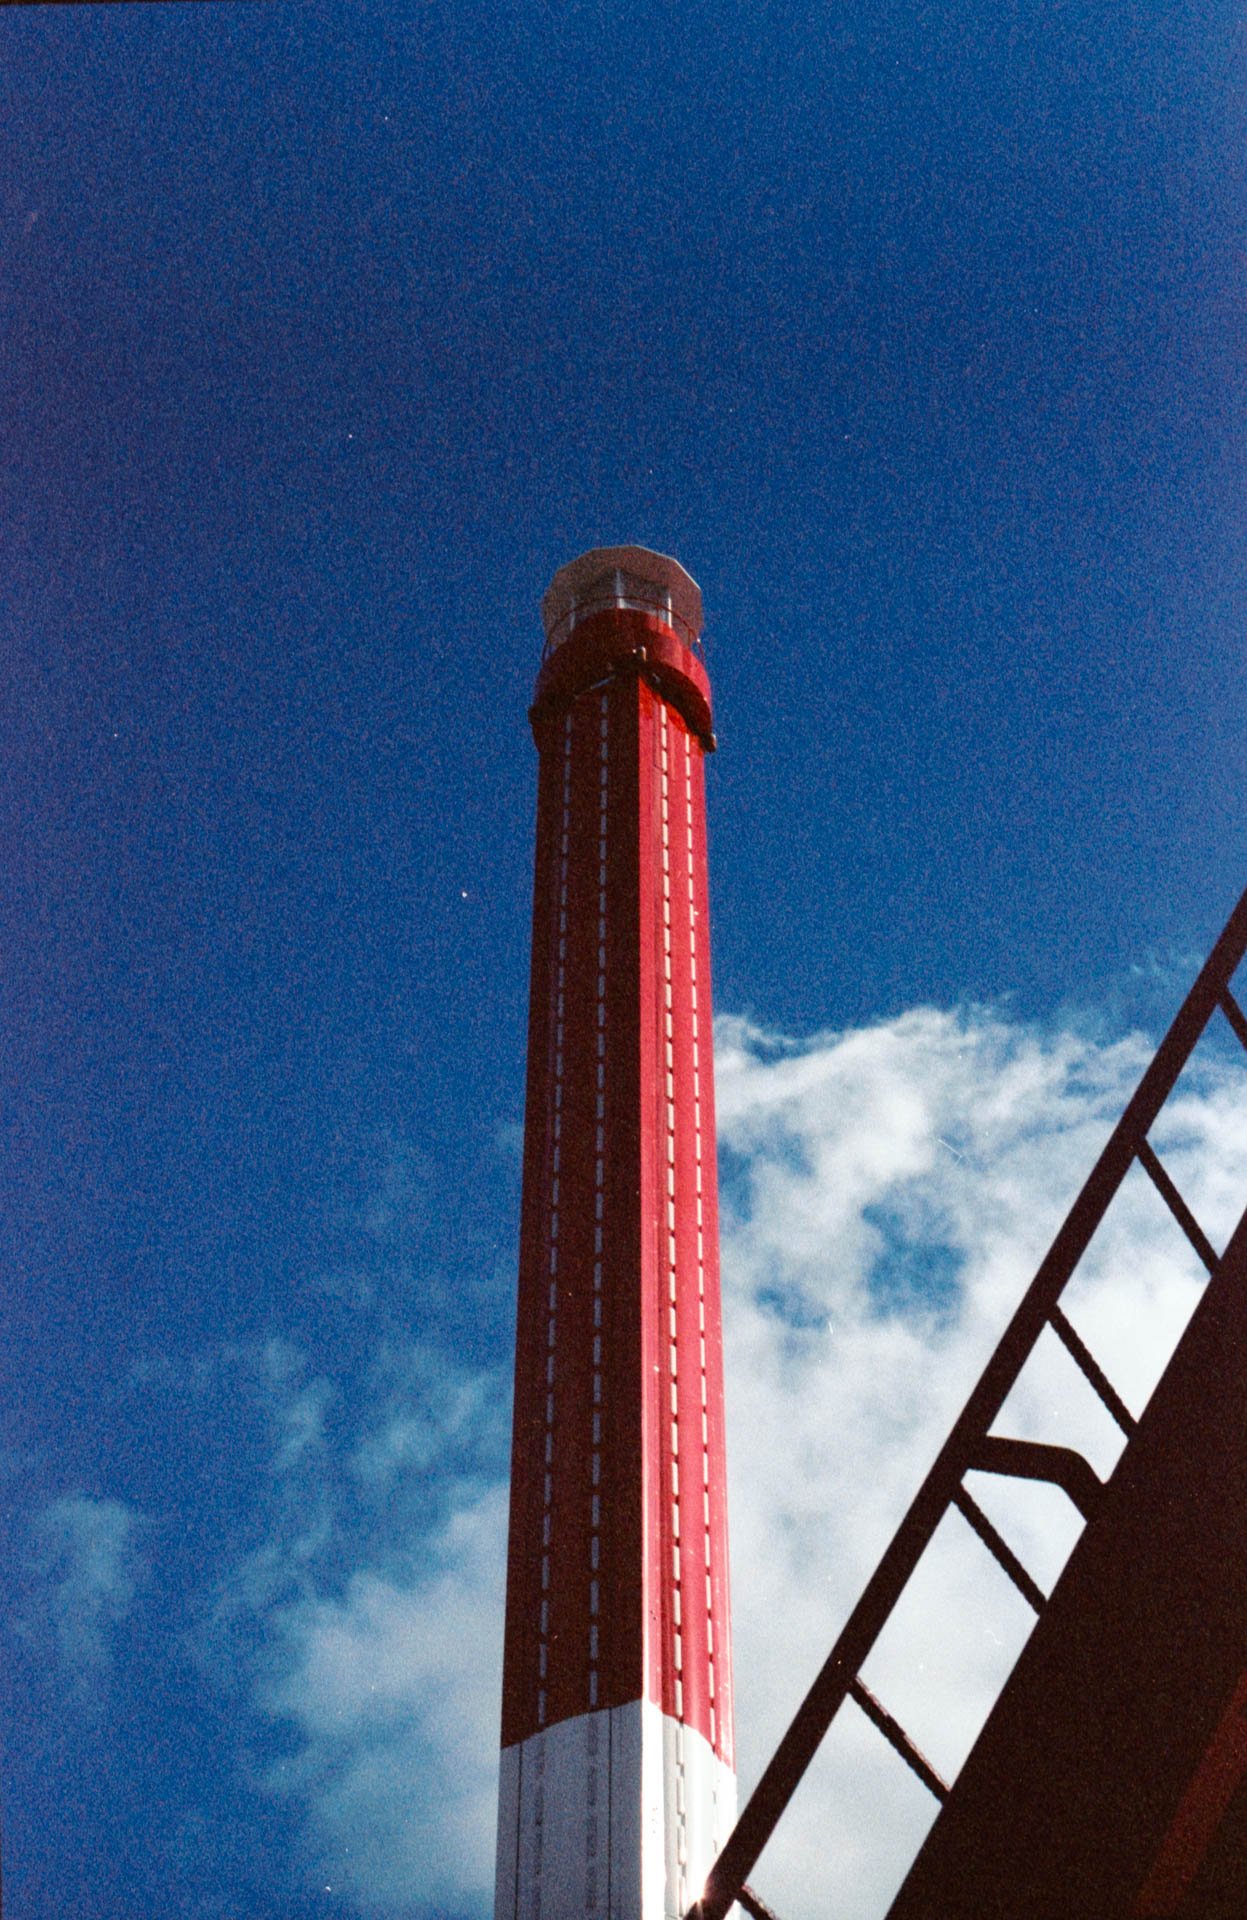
(618,1781)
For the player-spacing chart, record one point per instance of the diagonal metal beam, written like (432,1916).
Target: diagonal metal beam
(1234,1014)
(897,1738)
(1151,1163)
(1000,1550)
(1087,1364)
(758,1908)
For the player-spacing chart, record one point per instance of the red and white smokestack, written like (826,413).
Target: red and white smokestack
(618,1781)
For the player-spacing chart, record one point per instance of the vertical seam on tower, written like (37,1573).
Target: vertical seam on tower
(599,1183)
(519,1820)
(701,1243)
(593,1809)
(560,981)
(669,1204)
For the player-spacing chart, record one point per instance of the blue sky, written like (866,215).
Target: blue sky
(328,332)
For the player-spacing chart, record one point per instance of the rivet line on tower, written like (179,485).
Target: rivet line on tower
(556,1130)
(701,1243)
(664,726)
(599,1177)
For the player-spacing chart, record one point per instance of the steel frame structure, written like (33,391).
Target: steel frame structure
(971,1446)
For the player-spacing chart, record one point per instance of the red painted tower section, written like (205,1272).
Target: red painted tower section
(618,1781)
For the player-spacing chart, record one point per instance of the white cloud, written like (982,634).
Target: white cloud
(424,1413)
(88,1570)
(393,1692)
(887,1196)
(364,1625)
(274,1372)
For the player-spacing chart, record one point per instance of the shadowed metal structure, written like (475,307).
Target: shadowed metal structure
(1108,1781)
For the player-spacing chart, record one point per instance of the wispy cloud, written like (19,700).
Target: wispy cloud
(362,1629)
(87,1568)
(425,1415)
(392,1691)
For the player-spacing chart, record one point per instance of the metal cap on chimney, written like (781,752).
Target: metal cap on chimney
(622,577)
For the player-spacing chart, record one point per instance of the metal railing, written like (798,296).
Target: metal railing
(616,591)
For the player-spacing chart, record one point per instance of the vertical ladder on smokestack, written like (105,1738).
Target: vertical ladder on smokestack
(971,1446)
